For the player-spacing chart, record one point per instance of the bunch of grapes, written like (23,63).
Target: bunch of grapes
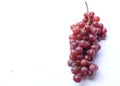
(84,46)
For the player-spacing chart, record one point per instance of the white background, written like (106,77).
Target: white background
(34,46)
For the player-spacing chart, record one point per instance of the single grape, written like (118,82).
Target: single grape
(80,57)
(90,73)
(101,25)
(91,53)
(94,31)
(93,67)
(98,47)
(72,26)
(92,15)
(74,58)
(74,64)
(85,20)
(70,63)
(84,70)
(79,50)
(83,32)
(72,37)
(84,62)
(92,37)
(74,44)
(87,57)
(95,47)
(77,78)
(75,69)
(96,18)
(81,24)
(84,44)
(76,30)
(79,36)
(103,36)
(104,30)
(86,15)
(87,28)
(95,24)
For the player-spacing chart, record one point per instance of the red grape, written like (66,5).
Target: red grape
(96,18)
(84,70)
(80,57)
(72,37)
(70,63)
(77,78)
(87,28)
(93,67)
(79,50)
(92,15)
(81,24)
(76,30)
(84,62)
(75,69)
(84,46)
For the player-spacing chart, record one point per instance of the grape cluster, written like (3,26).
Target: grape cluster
(84,46)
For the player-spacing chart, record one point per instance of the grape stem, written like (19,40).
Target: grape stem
(87,12)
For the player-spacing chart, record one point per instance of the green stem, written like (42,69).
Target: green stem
(87,12)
